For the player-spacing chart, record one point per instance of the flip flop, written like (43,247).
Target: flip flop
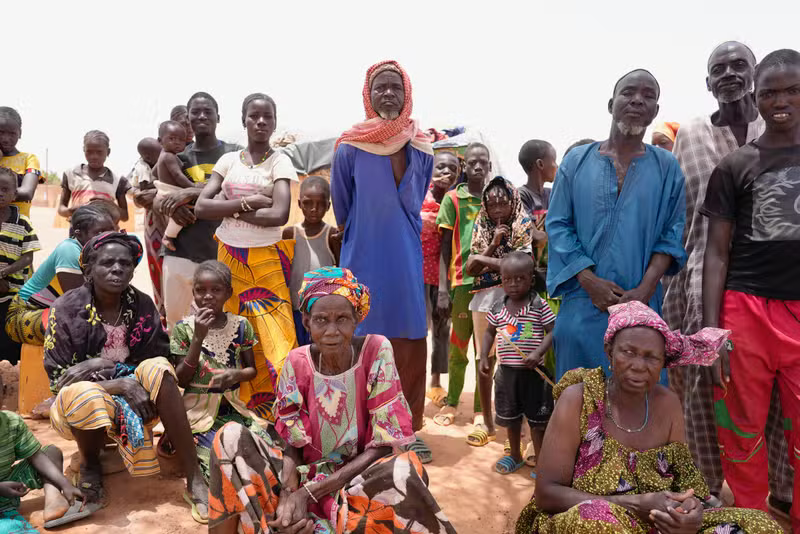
(77,510)
(479,437)
(195,512)
(530,456)
(445,418)
(506,465)
(423,452)
(437,395)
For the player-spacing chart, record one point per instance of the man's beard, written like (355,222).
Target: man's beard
(732,97)
(389,115)
(630,130)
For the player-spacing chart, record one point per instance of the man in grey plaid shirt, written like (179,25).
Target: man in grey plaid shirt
(699,147)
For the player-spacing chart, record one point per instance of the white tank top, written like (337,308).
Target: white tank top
(309,253)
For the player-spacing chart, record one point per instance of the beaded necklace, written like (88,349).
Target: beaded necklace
(242,158)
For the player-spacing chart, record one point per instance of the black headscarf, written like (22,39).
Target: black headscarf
(75,330)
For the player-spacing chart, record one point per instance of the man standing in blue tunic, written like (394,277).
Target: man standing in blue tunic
(381,171)
(615,225)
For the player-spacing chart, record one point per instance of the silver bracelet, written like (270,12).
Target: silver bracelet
(305,486)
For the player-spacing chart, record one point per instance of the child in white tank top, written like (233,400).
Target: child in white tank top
(317,243)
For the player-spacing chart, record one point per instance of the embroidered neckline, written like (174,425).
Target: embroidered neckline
(218,341)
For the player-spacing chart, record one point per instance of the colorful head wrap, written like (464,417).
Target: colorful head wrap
(90,249)
(670,129)
(334,281)
(384,137)
(698,349)
(483,232)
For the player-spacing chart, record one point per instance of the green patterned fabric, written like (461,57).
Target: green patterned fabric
(17,443)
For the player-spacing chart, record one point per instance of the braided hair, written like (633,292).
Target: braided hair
(249,99)
(218,269)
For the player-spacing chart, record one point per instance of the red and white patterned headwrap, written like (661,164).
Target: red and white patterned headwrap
(698,349)
(381,136)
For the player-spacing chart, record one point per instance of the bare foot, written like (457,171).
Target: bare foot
(55,505)
(446,416)
(167,242)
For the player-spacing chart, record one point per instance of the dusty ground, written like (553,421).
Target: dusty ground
(462,478)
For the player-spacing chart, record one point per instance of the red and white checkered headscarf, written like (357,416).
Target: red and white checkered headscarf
(384,137)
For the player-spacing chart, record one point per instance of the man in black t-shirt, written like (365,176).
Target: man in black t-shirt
(195,243)
(751,282)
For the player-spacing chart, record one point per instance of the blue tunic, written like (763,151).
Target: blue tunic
(589,226)
(381,242)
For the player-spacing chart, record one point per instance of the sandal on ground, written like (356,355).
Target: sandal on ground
(480,437)
(196,515)
(530,456)
(422,451)
(77,510)
(437,395)
(446,416)
(506,465)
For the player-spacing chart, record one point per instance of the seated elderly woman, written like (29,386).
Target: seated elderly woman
(105,355)
(340,408)
(614,457)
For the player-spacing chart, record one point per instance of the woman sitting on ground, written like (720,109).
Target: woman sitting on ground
(341,410)
(60,272)
(105,354)
(214,351)
(614,457)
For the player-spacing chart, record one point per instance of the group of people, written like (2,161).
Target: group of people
(288,364)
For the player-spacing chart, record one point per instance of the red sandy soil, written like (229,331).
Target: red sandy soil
(462,478)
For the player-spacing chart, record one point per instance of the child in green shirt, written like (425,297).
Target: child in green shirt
(26,465)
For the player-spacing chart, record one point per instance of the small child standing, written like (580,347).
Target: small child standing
(446,167)
(18,242)
(456,220)
(93,181)
(169,171)
(215,353)
(317,244)
(524,323)
(143,180)
(26,465)
(502,226)
(24,164)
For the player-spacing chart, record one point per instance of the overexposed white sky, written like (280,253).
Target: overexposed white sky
(514,70)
